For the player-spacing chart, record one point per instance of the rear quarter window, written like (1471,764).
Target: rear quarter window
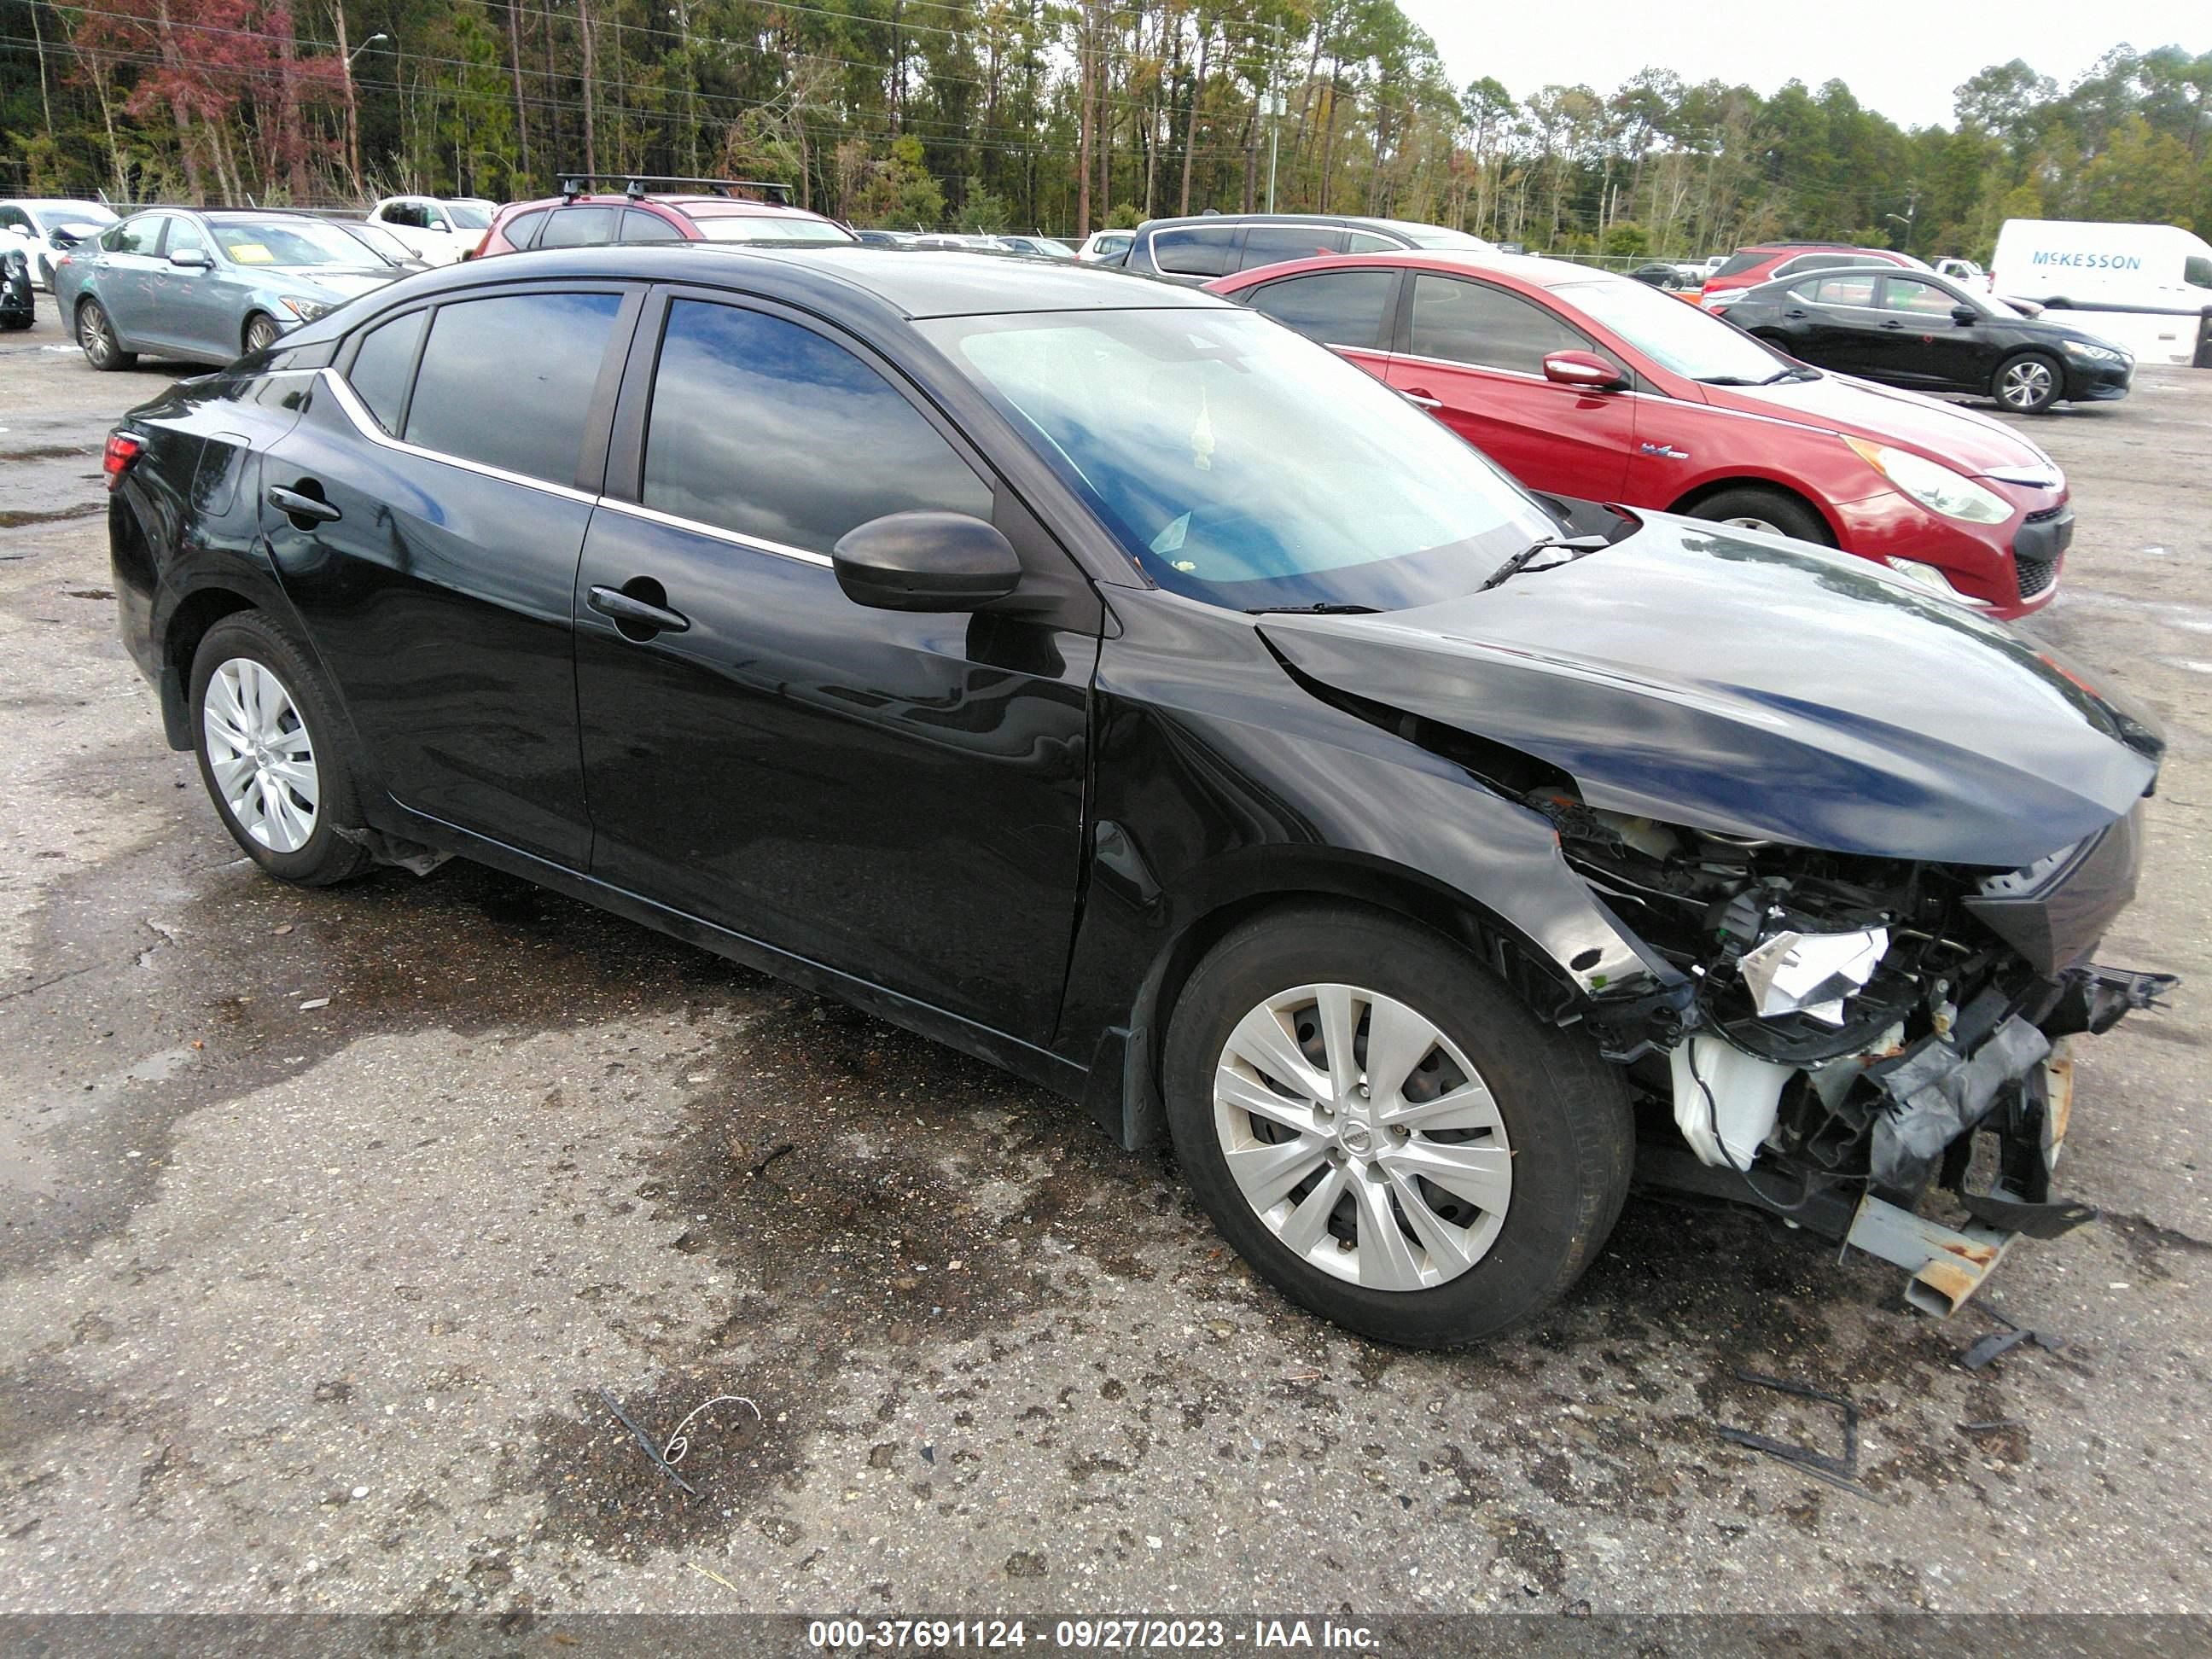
(521,231)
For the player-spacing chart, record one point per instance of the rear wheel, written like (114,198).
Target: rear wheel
(1767,510)
(273,753)
(1385,1134)
(260,333)
(95,333)
(2028,383)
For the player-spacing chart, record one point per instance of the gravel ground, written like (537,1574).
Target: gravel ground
(317,1306)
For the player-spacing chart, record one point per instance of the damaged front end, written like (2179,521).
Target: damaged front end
(1874,1048)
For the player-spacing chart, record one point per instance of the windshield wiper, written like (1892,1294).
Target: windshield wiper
(1309,610)
(1573,546)
(1793,373)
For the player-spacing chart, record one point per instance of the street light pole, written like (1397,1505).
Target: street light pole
(1274,115)
(352,108)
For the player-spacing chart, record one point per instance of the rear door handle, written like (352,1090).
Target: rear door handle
(1793,314)
(293,504)
(636,618)
(1893,323)
(1419,396)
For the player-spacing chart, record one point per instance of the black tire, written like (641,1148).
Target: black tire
(326,855)
(2029,383)
(1753,508)
(261,333)
(1565,1113)
(96,337)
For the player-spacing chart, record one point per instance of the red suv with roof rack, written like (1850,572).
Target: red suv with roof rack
(657,209)
(1767,262)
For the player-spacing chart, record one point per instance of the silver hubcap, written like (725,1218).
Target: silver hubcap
(259,750)
(2026,384)
(95,334)
(1363,1137)
(1770,528)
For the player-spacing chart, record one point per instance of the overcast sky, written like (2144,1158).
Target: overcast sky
(1902,60)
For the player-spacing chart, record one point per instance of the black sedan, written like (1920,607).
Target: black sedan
(1927,333)
(1104,680)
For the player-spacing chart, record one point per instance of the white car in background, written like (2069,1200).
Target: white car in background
(49,227)
(1107,247)
(439,230)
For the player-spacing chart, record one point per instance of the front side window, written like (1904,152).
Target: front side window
(581,226)
(1238,465)
(768,429)
(508,381)
(1198,251)
(409,214)
(1335,308)
(1919,299)
(184,237)
(2196,270)
(1487,327)
(381,367)
(1275,245)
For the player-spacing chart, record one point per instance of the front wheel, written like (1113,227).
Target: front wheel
(1385,1134)
(260,333)
(273,753)
(2028,383)
(1767,510)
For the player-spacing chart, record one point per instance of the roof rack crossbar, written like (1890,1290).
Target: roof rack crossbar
(634,184)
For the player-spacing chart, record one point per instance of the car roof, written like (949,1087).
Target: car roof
(915,283)
(1529,268)
(718,206)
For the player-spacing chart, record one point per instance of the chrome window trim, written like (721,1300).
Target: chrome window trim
(735,538)
(366,423)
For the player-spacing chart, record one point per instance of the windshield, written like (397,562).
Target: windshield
(764,228)
(467,215)
(1693,344)
(380,241)
(1241,465)
(288,242)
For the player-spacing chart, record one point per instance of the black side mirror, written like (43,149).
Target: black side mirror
(1964,316)
(926,562)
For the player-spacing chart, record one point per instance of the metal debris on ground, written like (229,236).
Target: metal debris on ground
(1836,1471)
(673,1452)
(2003,1341)
(651,1451)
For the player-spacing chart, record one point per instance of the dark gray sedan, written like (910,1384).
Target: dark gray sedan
(206,285)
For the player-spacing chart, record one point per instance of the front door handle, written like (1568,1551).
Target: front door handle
(1793,315)
(637,617)
(295,506)
(1893,323)
(1418,395)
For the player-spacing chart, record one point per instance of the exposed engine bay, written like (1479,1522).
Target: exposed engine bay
(1842,1032)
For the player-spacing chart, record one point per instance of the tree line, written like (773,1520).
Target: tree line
(1058,115)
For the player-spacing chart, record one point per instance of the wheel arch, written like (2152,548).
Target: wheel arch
(1689,502)
(1126,1098)
(188,624)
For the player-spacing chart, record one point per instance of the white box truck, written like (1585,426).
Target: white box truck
(2145,286)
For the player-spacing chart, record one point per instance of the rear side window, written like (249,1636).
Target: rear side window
(1336,307)
(508,381)
(1273,245)
(522,230)
(1366,241)
(132,235)
(638,226)
(1475,324)
(1736,264)
(757,424)
(1853,290)
(1198,251)
(579,226)
(380,368)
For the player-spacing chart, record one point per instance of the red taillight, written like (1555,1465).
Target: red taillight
(115,460)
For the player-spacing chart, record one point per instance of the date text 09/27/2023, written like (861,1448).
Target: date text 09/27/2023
(1123,1635)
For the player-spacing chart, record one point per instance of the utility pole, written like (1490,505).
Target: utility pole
(352,108)
(1274,112)
(1912,212)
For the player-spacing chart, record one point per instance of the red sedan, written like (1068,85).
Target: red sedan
(1590,386)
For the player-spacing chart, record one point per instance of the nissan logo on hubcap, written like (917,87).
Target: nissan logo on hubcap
(1357,1138)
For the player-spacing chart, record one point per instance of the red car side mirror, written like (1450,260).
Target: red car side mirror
(1585,369)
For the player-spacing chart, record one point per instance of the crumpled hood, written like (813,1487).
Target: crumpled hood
(1756,687)
(1964,438)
